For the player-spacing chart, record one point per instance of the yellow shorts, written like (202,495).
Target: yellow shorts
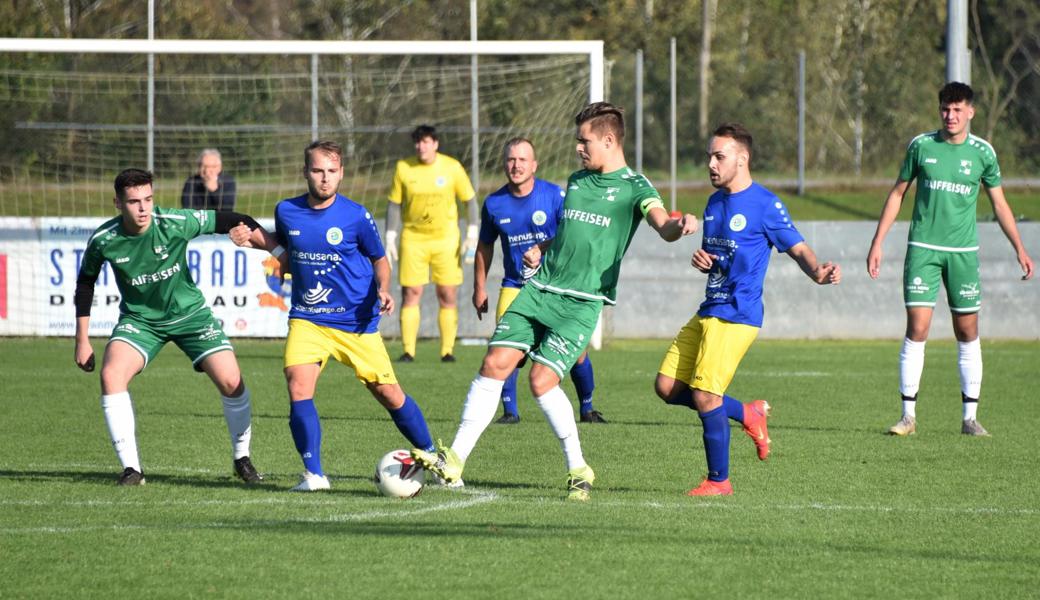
(309,343)
(423,252)
(505,297)
(706,353)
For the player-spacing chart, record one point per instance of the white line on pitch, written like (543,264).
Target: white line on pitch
(476,499)
(812,506)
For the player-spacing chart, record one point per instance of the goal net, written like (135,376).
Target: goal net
(73,113)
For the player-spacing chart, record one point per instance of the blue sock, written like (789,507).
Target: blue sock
(685,398)
(716,443)
(306,432)
(411,423)
(509,394)
(734,408)
(584,383)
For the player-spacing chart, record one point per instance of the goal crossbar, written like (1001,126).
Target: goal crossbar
(592,48)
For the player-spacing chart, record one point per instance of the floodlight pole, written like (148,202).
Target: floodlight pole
(801,122)
(639,110)
(671,135)
(958,58)
(474,102)
(314,97)
(151,90)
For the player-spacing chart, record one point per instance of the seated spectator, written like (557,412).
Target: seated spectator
(209,189)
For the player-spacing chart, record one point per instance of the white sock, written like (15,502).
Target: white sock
(477,413)
(970,409)
(119,415)
(969,359)
(560,414)
(910,408)
(911,365)
(238,414)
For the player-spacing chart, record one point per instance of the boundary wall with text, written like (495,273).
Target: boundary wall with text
(658,293)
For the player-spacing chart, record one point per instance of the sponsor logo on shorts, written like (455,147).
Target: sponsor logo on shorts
(917,286)
(210,333)
(557,344)
(127,328)
(969,291)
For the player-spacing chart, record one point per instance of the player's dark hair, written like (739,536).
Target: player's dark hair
(738,133)
(603,117)
(325,147)
(425,131)
(516,142)
(129,178)
(954,92)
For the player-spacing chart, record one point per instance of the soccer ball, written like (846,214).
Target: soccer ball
(399,476)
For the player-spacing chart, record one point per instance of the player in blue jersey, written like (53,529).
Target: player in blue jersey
(520,214)
(341,280)
(743,221)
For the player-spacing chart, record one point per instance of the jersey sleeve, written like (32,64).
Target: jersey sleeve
(196,222)
(397,185)
(369,241)
(463,187)
(779,229)
(279,227)
(645,195)
(910,164)
(488,230)
(93,260)
(991,170)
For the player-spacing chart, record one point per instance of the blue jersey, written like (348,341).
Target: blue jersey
(330,256)
(520,223)
(740,229)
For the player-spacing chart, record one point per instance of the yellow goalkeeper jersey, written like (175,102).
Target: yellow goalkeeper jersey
(427,193)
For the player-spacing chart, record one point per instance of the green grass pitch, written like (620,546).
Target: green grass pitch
(839,509)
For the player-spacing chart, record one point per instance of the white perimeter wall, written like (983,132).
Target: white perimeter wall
(658,292)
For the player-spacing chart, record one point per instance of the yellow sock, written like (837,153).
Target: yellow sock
(409,328)
(448,320)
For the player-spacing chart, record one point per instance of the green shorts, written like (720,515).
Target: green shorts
(551,328)
(959,272)
(197,335)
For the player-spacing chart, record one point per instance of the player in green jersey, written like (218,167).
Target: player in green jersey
(949,166)
(145,247)
(555,313)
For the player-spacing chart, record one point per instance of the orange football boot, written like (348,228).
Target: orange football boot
(755,414)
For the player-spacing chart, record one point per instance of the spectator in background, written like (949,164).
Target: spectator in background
(210,188)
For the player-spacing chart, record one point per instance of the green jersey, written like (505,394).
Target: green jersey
(948,177)
(151,269)
(601,212)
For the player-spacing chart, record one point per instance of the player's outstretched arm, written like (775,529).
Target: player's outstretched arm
(827,273)
(885,221)
(1006,219)
(481,265)
(381,272)
(83,299)
(671,229)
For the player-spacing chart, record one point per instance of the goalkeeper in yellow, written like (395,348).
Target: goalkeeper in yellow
(423,209)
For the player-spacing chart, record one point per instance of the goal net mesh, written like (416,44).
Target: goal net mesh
(71,122)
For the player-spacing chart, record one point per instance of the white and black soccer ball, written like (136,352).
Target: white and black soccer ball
(399,476)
